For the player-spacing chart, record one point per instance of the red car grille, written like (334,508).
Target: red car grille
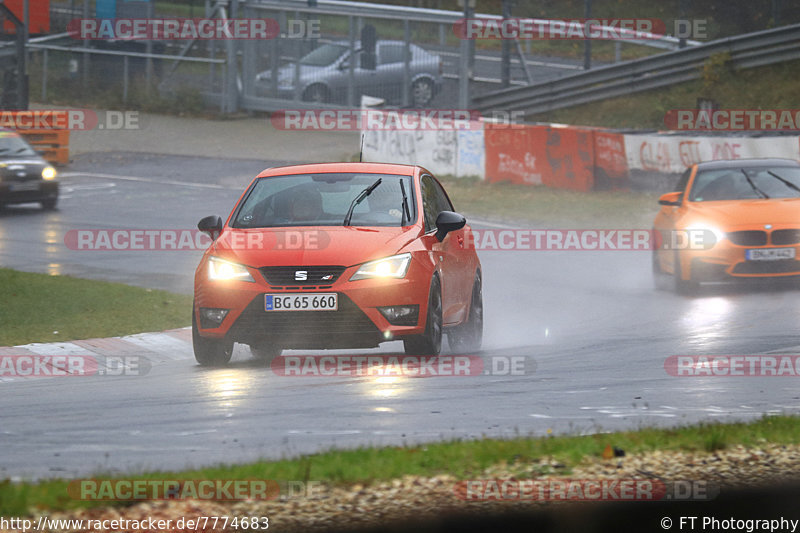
(314,275)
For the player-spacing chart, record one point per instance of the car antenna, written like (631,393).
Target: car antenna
(361,149)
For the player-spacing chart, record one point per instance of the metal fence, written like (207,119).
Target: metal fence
(746,51)
(326,55)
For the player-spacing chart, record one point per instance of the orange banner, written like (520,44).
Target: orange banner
(562,157)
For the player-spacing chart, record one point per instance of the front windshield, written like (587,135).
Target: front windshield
(733,183)
(12,144)
(324,55)
(324,200)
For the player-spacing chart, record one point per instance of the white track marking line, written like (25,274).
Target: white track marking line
(147,180)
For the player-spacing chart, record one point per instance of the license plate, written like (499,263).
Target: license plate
(25,186)
(312,301)
(770,254)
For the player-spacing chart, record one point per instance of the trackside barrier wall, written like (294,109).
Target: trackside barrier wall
(54,144)
(452,152)
(567,157)
(654,161)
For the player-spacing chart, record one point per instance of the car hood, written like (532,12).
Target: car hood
(740,213)
(323,245)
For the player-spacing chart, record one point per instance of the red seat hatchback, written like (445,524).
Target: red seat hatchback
(338,255)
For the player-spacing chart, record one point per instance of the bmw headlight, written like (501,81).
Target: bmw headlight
(48,173)
(395,266)
(221,270)
(703,235)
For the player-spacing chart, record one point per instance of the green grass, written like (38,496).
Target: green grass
(42,308)
(460,459)
(758,88)
(552,207)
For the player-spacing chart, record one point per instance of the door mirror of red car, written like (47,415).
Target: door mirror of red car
(671,198)
(448,221)
(211,225)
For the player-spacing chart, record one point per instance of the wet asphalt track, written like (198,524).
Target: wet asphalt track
(594,332)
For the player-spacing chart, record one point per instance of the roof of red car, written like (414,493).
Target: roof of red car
(319,168)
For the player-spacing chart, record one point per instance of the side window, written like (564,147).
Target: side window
(430,202)
(684,179)
(391,53)
(434,201)
(443,202)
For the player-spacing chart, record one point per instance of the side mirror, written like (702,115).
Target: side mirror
(446,222)
(671,198)
(212,225)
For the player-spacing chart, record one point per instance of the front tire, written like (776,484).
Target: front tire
(468,337)
(49,203)
(661,280)
(430,342)
(421,92)
(316,93)
(210,352)
(680,285)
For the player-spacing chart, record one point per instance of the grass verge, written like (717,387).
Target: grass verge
(42,308)
(755,88)
(552,208)
(459,459)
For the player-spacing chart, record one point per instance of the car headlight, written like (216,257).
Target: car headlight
(395,266)
(704,234)
(221,270)
(48,173)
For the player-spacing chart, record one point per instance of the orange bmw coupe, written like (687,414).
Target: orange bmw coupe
(726,220)
(338,255)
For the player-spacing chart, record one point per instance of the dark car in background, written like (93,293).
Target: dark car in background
(324,74)
(24,175)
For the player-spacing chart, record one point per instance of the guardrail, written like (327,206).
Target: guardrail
(746,51)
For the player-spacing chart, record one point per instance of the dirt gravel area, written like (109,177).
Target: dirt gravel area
(413,497)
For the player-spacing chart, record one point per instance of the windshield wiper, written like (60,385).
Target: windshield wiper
(784,181)
(753,185)
(360,198)
(406,215)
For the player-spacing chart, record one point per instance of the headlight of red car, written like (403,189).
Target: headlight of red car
(222,270)
(395,266)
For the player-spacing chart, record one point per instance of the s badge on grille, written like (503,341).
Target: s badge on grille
(767,226)
(301,275)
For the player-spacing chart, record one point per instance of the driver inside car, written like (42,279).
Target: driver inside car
(304,205)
